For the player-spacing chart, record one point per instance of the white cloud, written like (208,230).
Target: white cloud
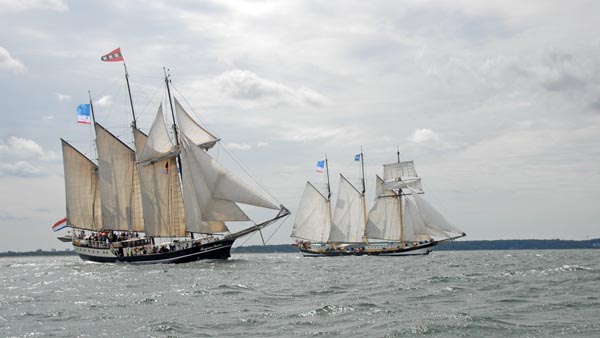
(7,62)
(245,85)
(424,135)
(20,169)
(27,5)
(238,146)
(25,148)
(63,97)
(104,101)
(262,144)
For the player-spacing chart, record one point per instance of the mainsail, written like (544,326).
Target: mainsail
(81,189)
(116,163)
(313,219)
(161,191)
(348,219)
(383,221)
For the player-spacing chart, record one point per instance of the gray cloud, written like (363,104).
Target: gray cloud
(20,169)
(9,63)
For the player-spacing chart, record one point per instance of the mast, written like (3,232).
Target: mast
(175,133)
(133,123)
(398,153)
(364,201)
(328,190)
(92,107)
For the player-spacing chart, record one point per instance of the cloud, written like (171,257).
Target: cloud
(7,62)
(245,85)
(25,148)
(20,169)
(28,5)
(63,97)
(238,146)
(262,144)
(104,101)
(424,136)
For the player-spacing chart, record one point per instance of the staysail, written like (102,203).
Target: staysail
(313,221)
(348,219)
(81,189)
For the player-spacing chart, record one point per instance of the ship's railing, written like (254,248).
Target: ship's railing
(91,244)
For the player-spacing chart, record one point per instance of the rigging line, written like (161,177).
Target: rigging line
(251,175)
(196,115)
(274,232)
(247,239)
(149,98)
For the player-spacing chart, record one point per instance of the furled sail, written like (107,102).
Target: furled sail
(348,218)
(116,164)
(159,181)
(432,218)
(192,130)
(383,221)
(399,171)
(313,220)
(81,188)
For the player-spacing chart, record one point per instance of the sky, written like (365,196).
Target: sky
(497,102)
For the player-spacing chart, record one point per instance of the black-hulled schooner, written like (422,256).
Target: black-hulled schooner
(399,223)
(166,201)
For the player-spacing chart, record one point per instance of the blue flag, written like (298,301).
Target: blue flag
(357,157)
(83,114)
(321,166)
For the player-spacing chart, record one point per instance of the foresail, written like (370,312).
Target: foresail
(432,218)
(348,218)
(414,228)
(201,207)
(81,189)
(116,163)
(161,194)
(192,130)
(313,221)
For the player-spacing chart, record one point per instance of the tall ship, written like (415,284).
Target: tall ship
(400,221)
(166,200)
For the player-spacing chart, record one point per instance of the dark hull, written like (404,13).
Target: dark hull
(423,249)
(214,250)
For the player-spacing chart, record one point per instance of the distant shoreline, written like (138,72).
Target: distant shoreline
(504,244)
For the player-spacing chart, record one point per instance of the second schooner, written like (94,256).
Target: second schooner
(166,201)
(399,223)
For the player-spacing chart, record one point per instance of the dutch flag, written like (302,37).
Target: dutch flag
(61,224)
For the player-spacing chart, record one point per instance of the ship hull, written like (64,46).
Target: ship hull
(220,249)
(366,250)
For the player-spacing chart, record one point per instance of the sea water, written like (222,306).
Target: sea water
(552,293)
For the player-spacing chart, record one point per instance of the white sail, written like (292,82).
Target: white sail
(313,220)
(192,130)
(161,190)
(413,183)
(432,218)
(400,170)
(158,144)
(81,189)
(383,221)
(348,218)
(116,163)
(413,226)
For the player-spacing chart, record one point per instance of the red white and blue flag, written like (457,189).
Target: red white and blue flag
(320,166)
(61,224)
(83,114)
(113,56)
